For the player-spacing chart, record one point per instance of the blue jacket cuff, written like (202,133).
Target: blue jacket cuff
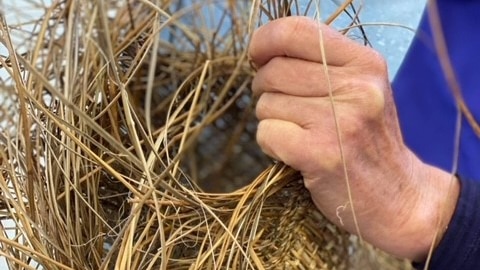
(460,245)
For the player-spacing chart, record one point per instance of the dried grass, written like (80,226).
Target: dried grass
(129,144)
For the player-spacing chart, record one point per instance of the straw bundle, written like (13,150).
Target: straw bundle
(126,121)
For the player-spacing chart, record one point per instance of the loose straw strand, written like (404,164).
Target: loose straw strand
(337,123)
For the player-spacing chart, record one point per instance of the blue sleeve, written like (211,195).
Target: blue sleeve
(426,108)
(460,245)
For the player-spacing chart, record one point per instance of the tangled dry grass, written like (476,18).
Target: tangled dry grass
(129,144)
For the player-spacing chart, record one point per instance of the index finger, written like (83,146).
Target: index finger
(299,37)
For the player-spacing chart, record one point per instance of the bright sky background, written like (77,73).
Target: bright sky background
(392,42)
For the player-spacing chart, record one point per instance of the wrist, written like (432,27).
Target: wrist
(437,195)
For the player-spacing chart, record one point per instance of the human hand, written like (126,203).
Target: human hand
(399,201)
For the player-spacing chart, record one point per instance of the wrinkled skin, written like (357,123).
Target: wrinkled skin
(399,201)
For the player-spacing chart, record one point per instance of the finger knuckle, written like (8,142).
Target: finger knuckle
(371,100)
(261,107)
(377,62)
(265,80)
(292,28)
(264,138)
(269,76)
(262,134)
(375,105)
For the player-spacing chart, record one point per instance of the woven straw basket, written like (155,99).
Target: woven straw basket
(128,142)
